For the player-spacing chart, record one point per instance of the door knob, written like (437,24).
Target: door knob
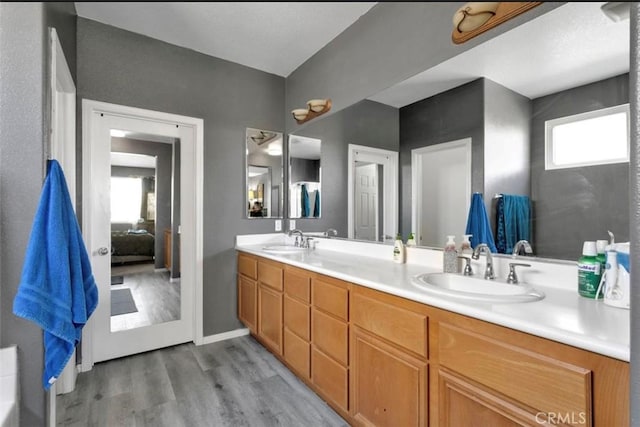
(103,251)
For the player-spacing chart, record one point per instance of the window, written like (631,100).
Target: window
(126,199)
(594,138)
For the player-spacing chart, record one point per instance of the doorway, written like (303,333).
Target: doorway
(381,212)
(182,220)
(441,191)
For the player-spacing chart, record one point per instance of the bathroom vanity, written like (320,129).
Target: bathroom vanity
(382,352)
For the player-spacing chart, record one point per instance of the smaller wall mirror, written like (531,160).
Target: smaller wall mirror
(264,170)
(304,177)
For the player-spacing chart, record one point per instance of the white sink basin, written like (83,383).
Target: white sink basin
(283,249)
(477,289)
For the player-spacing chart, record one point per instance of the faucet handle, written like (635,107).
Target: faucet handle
(467,270)
(513,277)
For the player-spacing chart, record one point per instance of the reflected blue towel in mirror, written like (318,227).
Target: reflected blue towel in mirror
(305,205)
(514,222)
(316,205)
(478,224)
(57,290)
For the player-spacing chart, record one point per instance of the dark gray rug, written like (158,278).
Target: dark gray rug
(122,302)
(117,280)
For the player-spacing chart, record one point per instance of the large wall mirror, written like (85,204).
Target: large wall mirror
(264,174)
(304,177)
(497,98)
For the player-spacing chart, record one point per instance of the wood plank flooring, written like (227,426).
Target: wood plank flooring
(231,383)
(157,299)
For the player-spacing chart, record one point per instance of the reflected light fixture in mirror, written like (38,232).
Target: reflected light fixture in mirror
(474,18)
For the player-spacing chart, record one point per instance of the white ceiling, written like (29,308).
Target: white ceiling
(572,45)
(276,37)
(133,160)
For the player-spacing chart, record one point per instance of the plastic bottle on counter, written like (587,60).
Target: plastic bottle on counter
(589,271)
(465,250)
(398,250)
(411,241)
(450,256)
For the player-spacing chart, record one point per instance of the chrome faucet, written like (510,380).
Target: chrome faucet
(488,272)
(298,233)
(522,244)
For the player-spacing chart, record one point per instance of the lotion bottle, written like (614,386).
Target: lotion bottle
(411,241)
(398,250)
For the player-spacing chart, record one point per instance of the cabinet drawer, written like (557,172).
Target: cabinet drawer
(398,325)
(332,298)
(331,336)
(248,266)
(270,274)
(297,284)
(296,317)
(546,384)
(330,377)
(297,353)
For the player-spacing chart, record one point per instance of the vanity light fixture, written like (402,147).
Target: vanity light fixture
(475,18)
(315,108)
(263,137)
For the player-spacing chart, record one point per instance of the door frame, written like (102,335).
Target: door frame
(90,108)
(389,161)
(416,175)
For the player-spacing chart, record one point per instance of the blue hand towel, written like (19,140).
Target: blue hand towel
(478,224)
(316,205)
(514,221)
(57,290)
(305,202)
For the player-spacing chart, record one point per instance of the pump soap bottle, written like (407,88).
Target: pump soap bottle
(411,241)
(398,250)
(450,256)
(465,250)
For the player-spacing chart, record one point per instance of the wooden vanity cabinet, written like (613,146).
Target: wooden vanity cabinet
(297,321)
(248,291)
(330,340)
(383,360)
(389,365)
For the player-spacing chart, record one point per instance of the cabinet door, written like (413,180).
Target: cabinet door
(388,387)
(248,303)
(270,318)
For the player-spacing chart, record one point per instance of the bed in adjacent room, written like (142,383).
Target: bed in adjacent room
(132,246)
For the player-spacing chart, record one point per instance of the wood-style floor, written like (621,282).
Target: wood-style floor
(230,383)
(157,299)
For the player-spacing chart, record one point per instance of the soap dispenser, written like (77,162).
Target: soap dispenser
(450,256)
(465,250)
(411,241)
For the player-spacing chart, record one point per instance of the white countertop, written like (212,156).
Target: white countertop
(563,315)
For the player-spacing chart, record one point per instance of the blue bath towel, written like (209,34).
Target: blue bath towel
(305,204)
(316,205)
(478,224)
(57,290)
(514,222)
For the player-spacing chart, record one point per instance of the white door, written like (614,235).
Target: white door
(105,343)
(441,185)
(366,201)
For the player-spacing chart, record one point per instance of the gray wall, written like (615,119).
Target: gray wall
(365,123)
(164,186)
(594,198)
(24,116)
(454,114)
(124,68)
(392,42)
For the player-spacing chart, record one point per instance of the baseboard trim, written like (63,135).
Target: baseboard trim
(225,336)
